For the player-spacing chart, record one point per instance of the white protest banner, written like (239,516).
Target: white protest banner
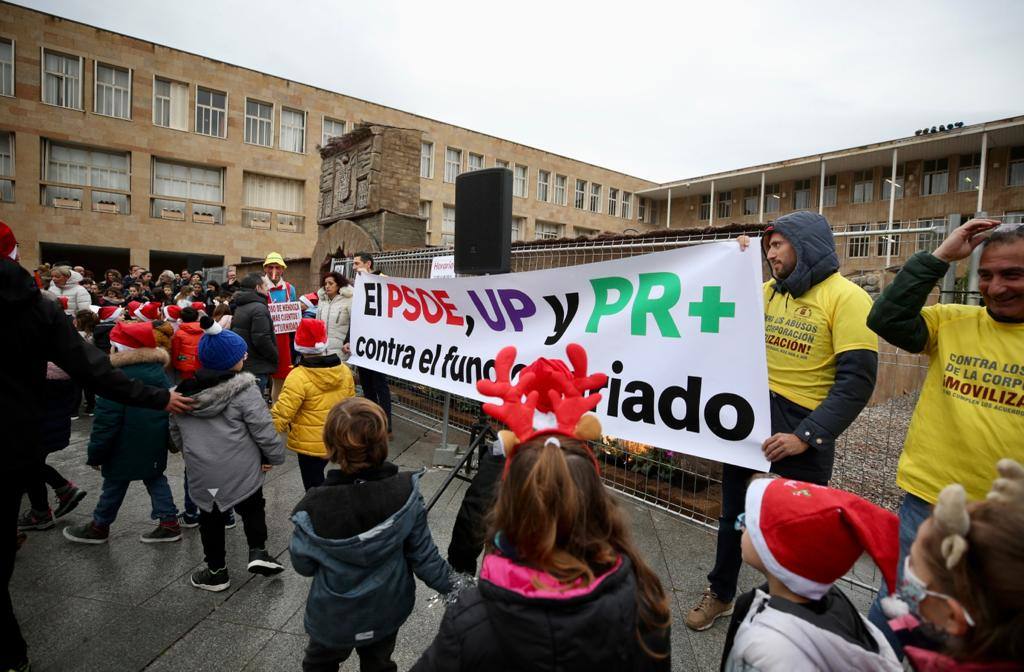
(680,335)
(443,266)
(286,316)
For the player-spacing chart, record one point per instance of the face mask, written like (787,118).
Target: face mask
(913,591)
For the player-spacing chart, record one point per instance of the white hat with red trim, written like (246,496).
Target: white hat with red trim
(309,301)
(311,337)
(808,536)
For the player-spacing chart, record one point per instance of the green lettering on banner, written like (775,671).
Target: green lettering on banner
(711,309)
(644,305)
(602,308)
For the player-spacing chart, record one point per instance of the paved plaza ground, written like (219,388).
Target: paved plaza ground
(128,605)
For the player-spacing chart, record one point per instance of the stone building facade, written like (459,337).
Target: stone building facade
(115,150)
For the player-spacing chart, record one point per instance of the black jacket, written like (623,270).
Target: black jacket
(36,331)
(896,316)
(495,629)
(811,238)
(252,322)
(343,512)
(61,403)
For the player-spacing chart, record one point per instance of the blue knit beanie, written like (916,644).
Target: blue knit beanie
(219,349)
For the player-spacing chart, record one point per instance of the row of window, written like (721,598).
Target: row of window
(550,187)
(935,180)
(63,86)
(74,175)
(541,230)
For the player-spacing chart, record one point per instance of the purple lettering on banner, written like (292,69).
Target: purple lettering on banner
(497,323)
(516,314)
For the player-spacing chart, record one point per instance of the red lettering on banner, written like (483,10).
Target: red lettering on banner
(430,305)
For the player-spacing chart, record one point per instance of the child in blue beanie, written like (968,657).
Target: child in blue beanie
(229,442)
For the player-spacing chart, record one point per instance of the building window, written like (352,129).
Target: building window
(936,177)
(113,95)
(858,246)
(772,199)
(641,209)
(518,228)
(181,189)
(929,240)
(547,231)
(561,187)
(474,162)
(831,192)
(627,205)
(750,197)
(887,183)
(452,164)
(613,201)
(724,205)
(968,172)
(581,194)
(863,186)
(6,167)
(582,231)
(170,104)
(6,67)
(1015,171)
(1013,218)
(519,183)
(211,112)
(332,128)
(293,130)
(889,243)
(595,197)
(500,163)
(259,123)
(705,207)
(265,197)
(543,185)
(62,80)
(802,194)
(73,175)
(425,214)
(427,160)
(448,226)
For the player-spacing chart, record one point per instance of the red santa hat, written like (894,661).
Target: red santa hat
(172,312)
(8,244)
(311,337)
(132,335)
(199,306)
(148,311)
(132,307)
(808,536)
(110,313)
(309,301)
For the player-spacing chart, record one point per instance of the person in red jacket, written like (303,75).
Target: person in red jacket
(185,345)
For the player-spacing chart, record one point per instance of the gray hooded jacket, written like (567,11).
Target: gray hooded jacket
(225,439)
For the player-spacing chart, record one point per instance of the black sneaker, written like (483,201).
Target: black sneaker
(86,533)
(207,579)
(75,417)
(161,533)
(36,520)
(89,411)
(188,520)
(260,562)
(69,499)
(229,521)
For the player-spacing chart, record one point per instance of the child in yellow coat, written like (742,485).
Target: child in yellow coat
(311,390)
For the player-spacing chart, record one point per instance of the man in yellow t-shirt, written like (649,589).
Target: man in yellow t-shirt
(971,410)
(822,361)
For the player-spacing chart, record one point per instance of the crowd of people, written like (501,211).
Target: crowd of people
(179,366)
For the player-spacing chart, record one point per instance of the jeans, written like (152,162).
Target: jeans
(263,380)
(36,487)
(312,470)
(375,388)
(372,657)
(913,511)
(113,494)
(211,528)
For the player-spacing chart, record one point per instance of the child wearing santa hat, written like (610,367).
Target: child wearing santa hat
(185,344)
(229,442)
(130,444)
(803,538)
(108,317)
(317,383)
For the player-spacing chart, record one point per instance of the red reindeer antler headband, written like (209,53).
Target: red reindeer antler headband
(546,387)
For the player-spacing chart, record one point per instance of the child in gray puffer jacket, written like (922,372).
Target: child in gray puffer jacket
(229,443)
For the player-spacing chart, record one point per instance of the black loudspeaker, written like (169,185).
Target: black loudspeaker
(483,221)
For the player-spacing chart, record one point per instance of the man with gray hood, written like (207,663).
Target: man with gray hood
(822,362)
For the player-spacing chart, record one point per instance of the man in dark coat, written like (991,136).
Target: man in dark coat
(36,331)
(252,322)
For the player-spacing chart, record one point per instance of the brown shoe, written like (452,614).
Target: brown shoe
(709,609)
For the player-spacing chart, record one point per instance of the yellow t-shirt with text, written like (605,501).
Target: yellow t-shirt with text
(804,334)
(971,410)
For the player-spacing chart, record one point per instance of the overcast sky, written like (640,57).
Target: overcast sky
(660,90)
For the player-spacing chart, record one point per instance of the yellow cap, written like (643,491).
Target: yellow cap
(275,258)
